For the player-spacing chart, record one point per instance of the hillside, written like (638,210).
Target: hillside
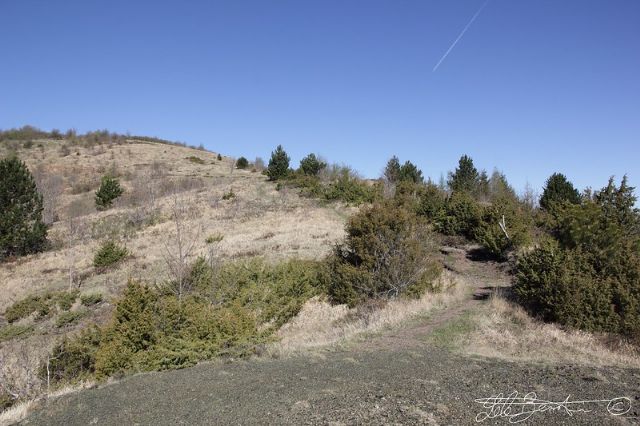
(320,341)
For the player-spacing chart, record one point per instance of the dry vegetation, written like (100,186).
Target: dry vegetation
(158,180)
(506,331)
(320,324)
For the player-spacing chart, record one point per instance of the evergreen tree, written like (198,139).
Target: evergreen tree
(278,164)
(410,173)
(618,205)
(109,190)
(465,178)
(311,165)
(558,189)
(392,170)
(499,186)
(482,191)
(22,230)
(242,163)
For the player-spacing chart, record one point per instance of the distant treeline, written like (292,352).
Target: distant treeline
(31,133)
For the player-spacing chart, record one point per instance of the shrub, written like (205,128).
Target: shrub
(507,212)
(91,299)
(230,311)
(387,253)
(219,157)
(68,318)
(278,167)
(108,191)
(311,165)
(461,215)
(588,276)
(22,230)
(558,190)
(349,189)
(214,238)
(242,163)
(109,254)
(26,307)
(65,299)
(195,160)
(229,195)
(432,202)
(13,331)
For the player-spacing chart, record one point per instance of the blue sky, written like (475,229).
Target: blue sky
(532,87)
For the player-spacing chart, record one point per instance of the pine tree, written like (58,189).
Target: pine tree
(278,164)
(558,189)
(392,170)
(109,190)
(22,230)
(410,173)
(311,165)
(242,163)
(465,178)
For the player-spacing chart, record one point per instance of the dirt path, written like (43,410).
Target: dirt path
(396,377)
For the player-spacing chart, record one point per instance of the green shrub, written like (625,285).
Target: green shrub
(68,318)
(108,191)
(219,157)
(350,189)
(229,311)
(26,307)
(109,254)
(195,160)
(507,212)
(214,238)
(432,202)
(91,299)
(388,252)
(22,230)
(65,299)
(461,216)
(278,167)
(588,276)
(311,165)
(73,359)
(13,331)
(242,163)
(229,195)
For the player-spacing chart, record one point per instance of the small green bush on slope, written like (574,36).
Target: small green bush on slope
(387,253)
(230,311)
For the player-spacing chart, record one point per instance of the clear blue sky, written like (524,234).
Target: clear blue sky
(532,87)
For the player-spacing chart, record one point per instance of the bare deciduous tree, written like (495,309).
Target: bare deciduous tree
(50,187)
(180,245)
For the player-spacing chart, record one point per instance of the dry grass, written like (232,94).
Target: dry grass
(505,331)
(16,413)
(151,174)
(319,324)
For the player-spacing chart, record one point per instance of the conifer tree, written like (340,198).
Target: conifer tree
(465,178)
(22,230)
(558,189)
(278,164)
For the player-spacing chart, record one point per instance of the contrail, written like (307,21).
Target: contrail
(473,18)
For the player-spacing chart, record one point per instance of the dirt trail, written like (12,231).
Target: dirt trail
(395,377)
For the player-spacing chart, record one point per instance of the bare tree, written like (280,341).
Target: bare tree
(75,233)
(180,245)
(51,187)
(19,371)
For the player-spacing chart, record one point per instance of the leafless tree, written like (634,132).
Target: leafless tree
(51,187)
(19,371)
(181,243)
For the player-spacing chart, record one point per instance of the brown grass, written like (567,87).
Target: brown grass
(319,324)
(505,331)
